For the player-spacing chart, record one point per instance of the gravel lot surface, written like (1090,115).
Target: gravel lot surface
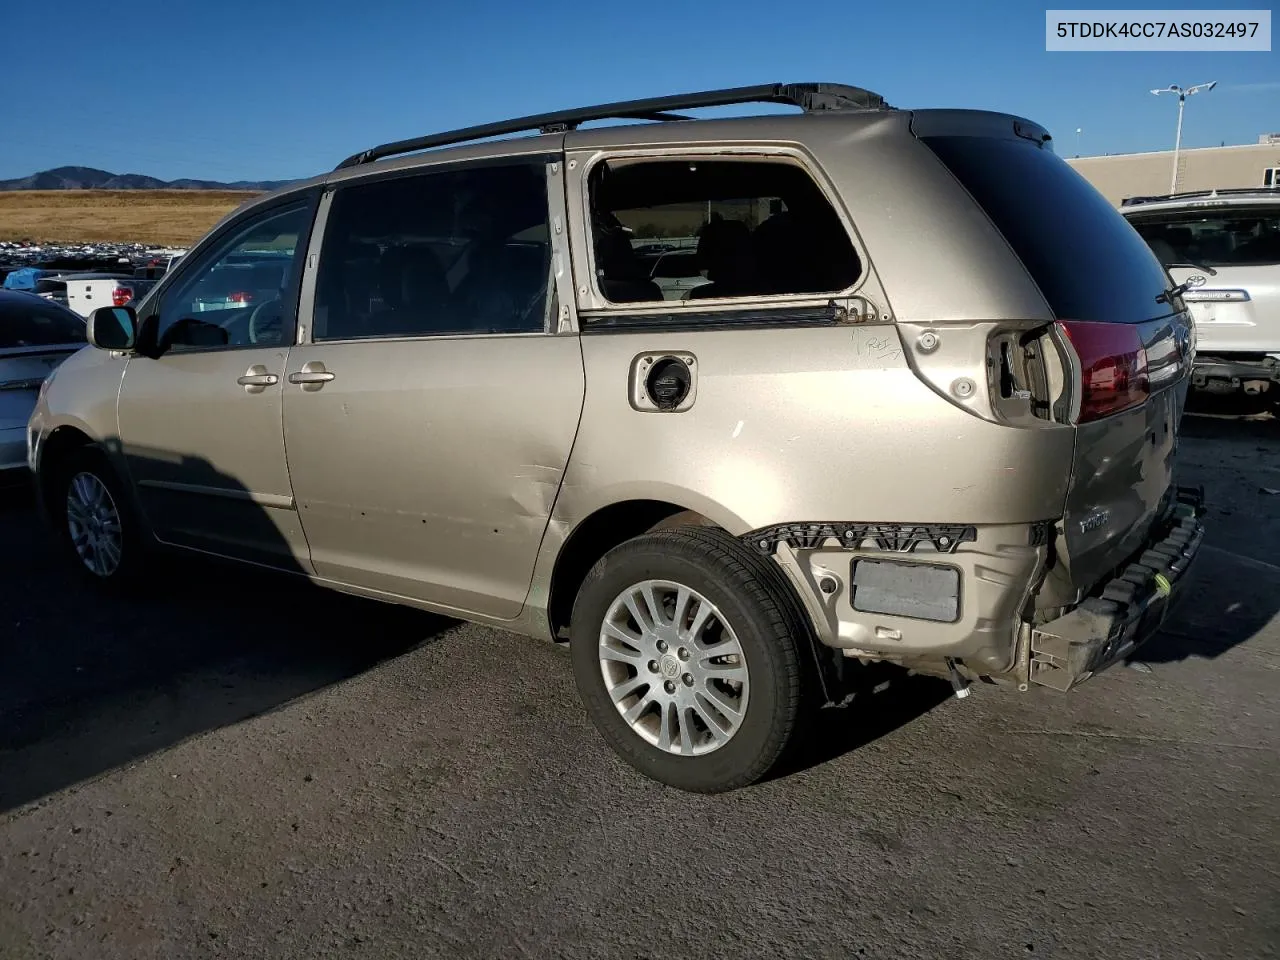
(241,766)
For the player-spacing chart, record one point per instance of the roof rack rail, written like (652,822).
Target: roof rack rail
(1190,194)
(810,97)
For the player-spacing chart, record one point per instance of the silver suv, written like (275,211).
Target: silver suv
(1223,246)
(920,406)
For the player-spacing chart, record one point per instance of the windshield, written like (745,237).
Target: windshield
(1233,237)
(32,322)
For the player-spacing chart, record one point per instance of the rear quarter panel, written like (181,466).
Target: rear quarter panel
(795,425)
(821,423)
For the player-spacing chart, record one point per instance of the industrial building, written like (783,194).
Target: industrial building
(1203,168)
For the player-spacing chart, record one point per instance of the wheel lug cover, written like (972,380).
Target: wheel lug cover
(653,666)
(683,653)
(670,686)
(688,679)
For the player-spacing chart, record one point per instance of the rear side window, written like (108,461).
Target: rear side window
(36,323)
(1086,259)
(1236,236)
(707,229)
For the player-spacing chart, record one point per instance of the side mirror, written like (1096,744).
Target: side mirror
(113,328)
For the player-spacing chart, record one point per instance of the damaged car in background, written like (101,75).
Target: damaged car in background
(887,421)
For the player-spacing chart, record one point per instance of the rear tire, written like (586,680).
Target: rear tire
(706,695)
(96,524)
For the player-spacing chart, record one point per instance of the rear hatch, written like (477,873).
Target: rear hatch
(1228,251)
(1121,348)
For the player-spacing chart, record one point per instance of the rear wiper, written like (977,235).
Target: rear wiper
(1179,289)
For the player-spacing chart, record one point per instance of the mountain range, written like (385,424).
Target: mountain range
(88,178)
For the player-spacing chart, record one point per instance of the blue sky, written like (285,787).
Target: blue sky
(227,89)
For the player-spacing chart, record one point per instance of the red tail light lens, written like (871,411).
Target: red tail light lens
(120,296)
(240,296)
(1113,367)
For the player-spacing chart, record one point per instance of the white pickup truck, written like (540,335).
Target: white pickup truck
(87,292)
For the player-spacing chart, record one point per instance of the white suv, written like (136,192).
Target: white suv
(1224,246)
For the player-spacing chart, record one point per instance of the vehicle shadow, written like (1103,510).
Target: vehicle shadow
(93,681)
(887,697)
(1230,446)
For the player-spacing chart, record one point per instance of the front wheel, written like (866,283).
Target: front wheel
(686,651)
(97,526)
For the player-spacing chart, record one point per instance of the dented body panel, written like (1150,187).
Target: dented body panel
(451,512)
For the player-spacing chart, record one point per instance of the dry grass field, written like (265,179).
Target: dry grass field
(177,217)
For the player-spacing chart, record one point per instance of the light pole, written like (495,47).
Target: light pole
(1182,100)
(1079,130)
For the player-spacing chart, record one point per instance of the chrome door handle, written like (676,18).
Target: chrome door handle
(256,379)
(312,376)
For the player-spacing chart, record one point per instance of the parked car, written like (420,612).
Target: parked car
(1224,245)
(925,440)
(35,336)
(86,292)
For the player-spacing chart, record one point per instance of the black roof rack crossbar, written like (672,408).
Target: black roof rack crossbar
(808,96)
(1189,194)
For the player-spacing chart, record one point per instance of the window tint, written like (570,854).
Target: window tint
(28,321)
(1236,236)
(1088,262)
(705,229)
(245,292)
(450,252)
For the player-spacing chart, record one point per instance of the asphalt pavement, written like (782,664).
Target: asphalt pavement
(243,766)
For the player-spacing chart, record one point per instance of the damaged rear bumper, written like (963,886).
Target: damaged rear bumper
(1114,622)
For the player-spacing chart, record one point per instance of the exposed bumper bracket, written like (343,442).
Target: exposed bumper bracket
(1228,368)
(1130,608)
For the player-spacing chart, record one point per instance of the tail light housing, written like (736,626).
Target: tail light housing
(240,296)
(120,296)
(1113,367)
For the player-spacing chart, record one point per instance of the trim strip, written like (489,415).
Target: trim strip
(281,501)
(832,314)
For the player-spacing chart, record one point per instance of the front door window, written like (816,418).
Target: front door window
(245,294)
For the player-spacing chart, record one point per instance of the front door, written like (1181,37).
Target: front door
(201,420)
(430,417)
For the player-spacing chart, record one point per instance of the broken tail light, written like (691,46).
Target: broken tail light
(1113,367)
(120,296)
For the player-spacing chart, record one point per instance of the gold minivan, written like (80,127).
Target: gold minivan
(733,406)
